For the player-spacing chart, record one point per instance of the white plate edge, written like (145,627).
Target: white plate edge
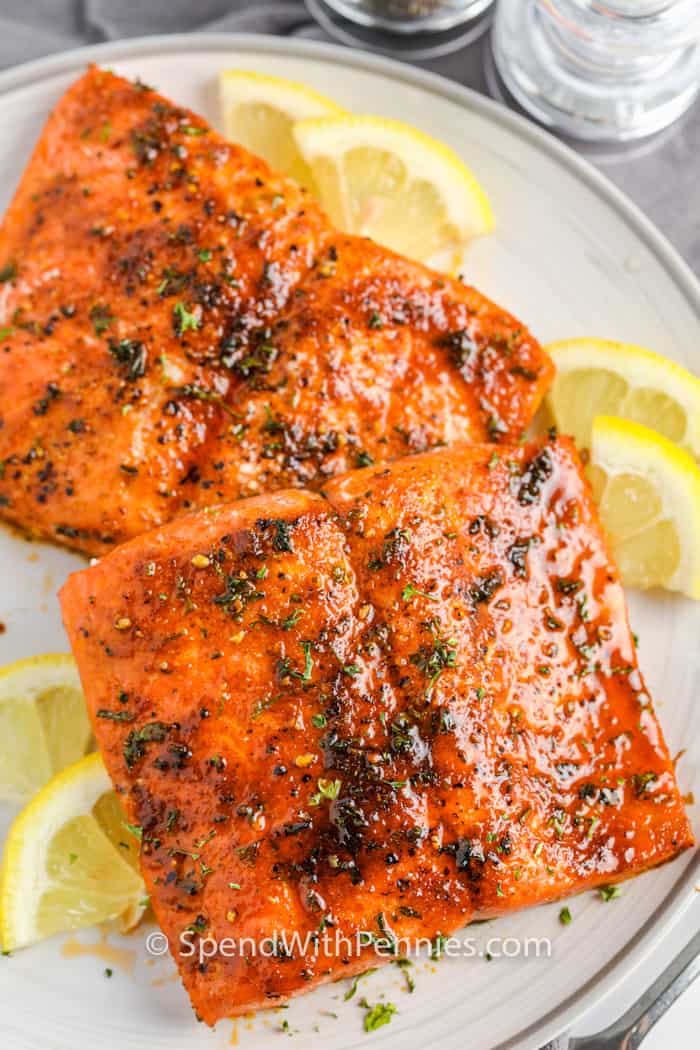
(678,899)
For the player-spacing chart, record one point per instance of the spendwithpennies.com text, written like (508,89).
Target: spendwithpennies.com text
(333,944)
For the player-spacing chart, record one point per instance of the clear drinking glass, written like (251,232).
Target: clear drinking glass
(600,69)
(409,28)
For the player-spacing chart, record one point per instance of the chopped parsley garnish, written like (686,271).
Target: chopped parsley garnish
(568,586)
(115,716)
(484,587)
(174,281)
(438,946)
(101,317)
(327,789)
(238,592)
(8,272)
(263,705)
(134,829)
(308,662)
(432,661)
(131,353)
(171,819)
(285,669)
(200,394)
(292,620)
(530,374)
(536,473)
(184,320)
(256,360)
(410,591)
(641,781)
(386,931)
(405,966)
(378,1015)
(356,980)
(135,745)
(461,346)
(281,537)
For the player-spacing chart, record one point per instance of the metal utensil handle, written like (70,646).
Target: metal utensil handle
(629,1030)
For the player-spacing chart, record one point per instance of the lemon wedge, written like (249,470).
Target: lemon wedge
(389,181)
(70,860)
(648,492)
(44,725)
(259,112)
(596,377)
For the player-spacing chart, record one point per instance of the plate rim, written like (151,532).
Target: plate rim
(677,901)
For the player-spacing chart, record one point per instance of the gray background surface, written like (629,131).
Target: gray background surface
(662,176)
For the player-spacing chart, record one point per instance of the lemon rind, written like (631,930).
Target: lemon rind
(469,208)
(35,674)
(290,96)
(638,366)
(23,682)
(73,791)
(620,445)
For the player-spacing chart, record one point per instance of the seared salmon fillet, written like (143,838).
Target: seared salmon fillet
(381,712)
(181,326)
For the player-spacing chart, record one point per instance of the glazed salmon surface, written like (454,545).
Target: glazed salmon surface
(395,707)
(181,326)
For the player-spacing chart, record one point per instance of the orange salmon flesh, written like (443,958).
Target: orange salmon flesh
(181,327)
(406,702)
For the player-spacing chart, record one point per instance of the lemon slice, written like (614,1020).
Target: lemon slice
(69,860)
(259,111)
(44,725)
(648,492)
(595,377)
(386,180)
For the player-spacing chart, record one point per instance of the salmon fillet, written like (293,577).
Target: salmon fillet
(181,326)
(403,704)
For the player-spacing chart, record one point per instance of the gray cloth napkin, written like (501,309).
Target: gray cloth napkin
(32,28)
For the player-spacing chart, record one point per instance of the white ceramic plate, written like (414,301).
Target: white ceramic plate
(571,257)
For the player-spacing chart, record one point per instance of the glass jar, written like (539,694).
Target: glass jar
(600,69)
(410,16)
(409,28)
